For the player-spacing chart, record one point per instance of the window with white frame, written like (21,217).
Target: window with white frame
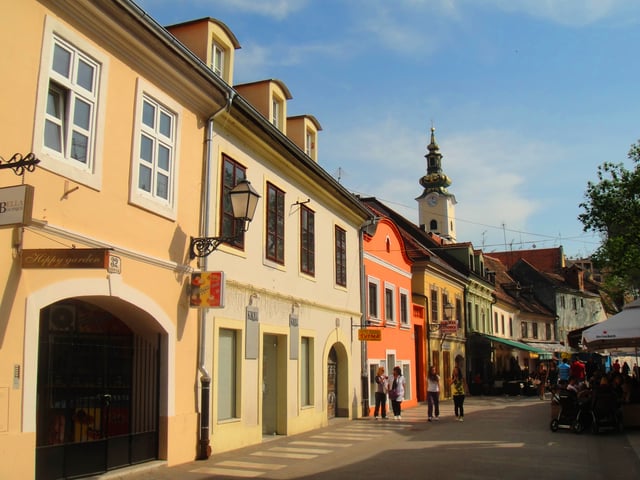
(227,385)
(373,370)
(69,120)
(389,302)
(525,332)
(495,322)
(154,162)
(217,59)
(374,298)
(404,307)
(276,112)
(157,150)
(534,329)
(406,373)
(306,371)
(310,144)
(391,362)
(435,318)
(69,127)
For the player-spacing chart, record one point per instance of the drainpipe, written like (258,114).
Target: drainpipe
(364,377)
(368,227)
(204,451)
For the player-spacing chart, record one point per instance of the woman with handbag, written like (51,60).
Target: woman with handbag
(396,393)
(381,393)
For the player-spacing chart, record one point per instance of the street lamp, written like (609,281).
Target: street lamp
(244,200)
(448,311)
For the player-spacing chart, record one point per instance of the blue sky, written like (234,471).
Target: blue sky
(527,97)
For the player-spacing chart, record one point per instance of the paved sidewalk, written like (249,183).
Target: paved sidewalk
(286,456)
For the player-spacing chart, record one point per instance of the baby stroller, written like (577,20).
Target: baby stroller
(606,412)
(573,412)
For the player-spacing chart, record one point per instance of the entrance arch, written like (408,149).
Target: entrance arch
(97,406)
(139,338)
(337,368)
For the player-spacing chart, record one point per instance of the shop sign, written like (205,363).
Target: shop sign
(16,204)
(65,258)
(449,327)
(369,335)
(207,290)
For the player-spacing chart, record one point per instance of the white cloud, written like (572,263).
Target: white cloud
(256,61)
(491,171)
(278,9)
(570,13)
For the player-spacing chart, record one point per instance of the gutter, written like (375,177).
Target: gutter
(204,443)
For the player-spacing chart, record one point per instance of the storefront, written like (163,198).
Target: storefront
(497,361)
(97,392)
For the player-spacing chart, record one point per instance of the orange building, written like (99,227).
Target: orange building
(387,276)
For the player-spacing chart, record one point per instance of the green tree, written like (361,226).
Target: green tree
(612,209)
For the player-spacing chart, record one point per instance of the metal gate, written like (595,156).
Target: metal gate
(97,403)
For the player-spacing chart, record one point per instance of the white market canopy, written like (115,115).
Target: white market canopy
(622,330)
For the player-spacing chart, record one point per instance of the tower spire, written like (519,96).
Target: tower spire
(435,180)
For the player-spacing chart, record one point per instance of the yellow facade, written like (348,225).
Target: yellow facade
(445,350)
(98,195)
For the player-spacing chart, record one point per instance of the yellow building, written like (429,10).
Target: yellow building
(140,138)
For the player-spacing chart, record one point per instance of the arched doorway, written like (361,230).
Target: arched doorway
(97,392)
(337,382)
(332,383)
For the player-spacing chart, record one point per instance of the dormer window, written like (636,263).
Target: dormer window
(212,42)
(217,59)
(303,131)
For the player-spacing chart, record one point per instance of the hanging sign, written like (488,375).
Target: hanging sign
(449,327)
(369,335)
(65,258)
(207,290)
(16,204)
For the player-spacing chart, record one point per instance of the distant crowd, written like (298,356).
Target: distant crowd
(583,377)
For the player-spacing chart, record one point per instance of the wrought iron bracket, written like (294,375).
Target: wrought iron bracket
(19,164)
(204,246)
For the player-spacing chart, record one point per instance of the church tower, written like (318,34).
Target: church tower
(436,206)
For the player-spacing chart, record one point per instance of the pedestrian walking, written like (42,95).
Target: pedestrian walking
(552,375)
(396,393)
(541,380)
(382,385)
(433,394)
(564,372)
(459,389)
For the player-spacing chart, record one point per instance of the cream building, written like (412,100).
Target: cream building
(140,139)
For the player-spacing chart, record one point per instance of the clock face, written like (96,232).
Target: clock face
(432,200)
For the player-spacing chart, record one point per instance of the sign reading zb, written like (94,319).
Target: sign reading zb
(369,335)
